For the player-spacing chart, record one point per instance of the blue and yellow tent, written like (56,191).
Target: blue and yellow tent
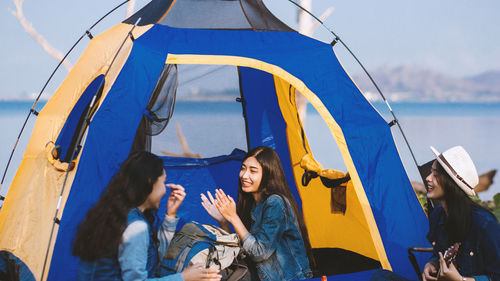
(119,76)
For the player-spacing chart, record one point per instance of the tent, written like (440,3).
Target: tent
(131,69)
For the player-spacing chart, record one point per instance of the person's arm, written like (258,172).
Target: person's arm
(169,224)
(133,254)
(490,246)
(166,233)
(262,243)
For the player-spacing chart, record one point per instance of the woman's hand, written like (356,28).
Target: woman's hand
(448,272)
(430,269)
(226,205)
(209,205)
(177,195)
(198,272)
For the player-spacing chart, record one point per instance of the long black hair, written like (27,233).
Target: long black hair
(99,234)
(459,207)
(273,182)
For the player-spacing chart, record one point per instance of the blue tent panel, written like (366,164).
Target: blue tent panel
(265,122)
(67,134)
(199,176)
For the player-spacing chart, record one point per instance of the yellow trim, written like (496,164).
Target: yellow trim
(393,138)
(320,107)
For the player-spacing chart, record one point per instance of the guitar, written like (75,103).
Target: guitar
(449,255)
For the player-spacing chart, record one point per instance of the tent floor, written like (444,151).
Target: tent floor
(333,261)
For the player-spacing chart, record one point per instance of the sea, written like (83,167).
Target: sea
(475,126)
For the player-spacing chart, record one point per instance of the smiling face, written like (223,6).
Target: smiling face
(251,176)
(158,191)
(435,190)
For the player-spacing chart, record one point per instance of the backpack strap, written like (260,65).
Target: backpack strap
(182,257)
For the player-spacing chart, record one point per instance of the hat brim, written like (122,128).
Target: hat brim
(464,187)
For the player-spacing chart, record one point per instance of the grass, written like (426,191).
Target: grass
(493,206)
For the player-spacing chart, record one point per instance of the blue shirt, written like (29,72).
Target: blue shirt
(479,254)
(137,253)
(275,243)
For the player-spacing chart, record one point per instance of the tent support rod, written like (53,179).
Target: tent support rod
(74,151)
(32,110)
(337,39)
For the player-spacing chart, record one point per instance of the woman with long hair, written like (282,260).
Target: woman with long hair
(117,241)
(469,232)
(266,218)
(460,220)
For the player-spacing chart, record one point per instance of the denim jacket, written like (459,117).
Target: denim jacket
(479,255)
(275,243)
(137,254)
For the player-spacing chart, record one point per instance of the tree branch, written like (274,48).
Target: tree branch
(130,8)
(28,27)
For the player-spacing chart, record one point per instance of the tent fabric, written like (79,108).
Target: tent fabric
(351,231)
(28,211)
(361,207)
(150,14)
(375,168)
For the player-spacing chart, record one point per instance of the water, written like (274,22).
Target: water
(474,126)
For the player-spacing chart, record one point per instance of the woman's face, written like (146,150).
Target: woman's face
(435,190)
(159,190)
(250,175)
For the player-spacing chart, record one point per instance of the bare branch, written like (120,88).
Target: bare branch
(323,17)
(28,27)
(186,152)
(130,8)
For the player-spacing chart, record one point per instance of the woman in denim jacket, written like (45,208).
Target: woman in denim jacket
(116,240)
(267,218)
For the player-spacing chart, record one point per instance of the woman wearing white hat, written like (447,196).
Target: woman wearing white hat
(460,220)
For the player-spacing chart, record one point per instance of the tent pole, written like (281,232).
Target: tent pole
(337,39)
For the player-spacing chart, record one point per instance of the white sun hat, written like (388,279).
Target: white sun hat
(458,164)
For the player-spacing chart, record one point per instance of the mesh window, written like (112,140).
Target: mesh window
(208,121)
(159,109)
(209,14)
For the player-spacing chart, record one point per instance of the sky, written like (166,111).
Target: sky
(455,37)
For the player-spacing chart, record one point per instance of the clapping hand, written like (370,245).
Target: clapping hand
(177,195)
(209,205)
(226,205)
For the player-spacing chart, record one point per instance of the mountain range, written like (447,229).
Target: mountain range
(415,84)
(406,83)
